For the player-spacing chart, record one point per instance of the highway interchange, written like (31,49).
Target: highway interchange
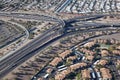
(58,31)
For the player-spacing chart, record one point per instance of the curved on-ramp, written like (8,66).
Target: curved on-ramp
(26,38)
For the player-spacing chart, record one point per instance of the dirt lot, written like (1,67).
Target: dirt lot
(115,36)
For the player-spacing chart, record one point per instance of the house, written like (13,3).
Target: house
(89,57)
(77,66)
(103,41)
(88,52)
(62,75)
(89,44)
(65,54)
(102,62)
(116,52)
(85,74)
(71,58)
(49,70)
(39,79)
(118,62)
(55,61)
(118,47)
(104,53)
(105,74)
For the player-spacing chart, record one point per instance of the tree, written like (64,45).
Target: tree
(118,67)
(52,78)
(31,36)
(78,77)
(112,47)
(99,66)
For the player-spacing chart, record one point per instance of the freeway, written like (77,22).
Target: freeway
(20,57)
(15,59)
(31,49)
(47,33)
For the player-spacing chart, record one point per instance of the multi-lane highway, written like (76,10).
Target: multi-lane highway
(15,59)
(33,47)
